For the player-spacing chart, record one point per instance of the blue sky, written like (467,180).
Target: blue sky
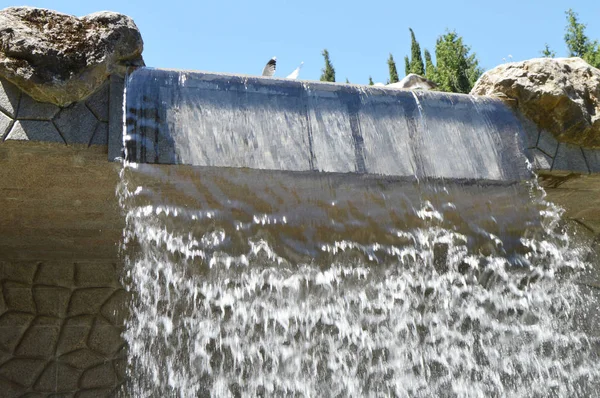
(240,36)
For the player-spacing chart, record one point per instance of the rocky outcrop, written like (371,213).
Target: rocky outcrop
(413,81)
(561,95)
(61,59)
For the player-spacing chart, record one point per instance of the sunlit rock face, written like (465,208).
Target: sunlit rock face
(61,59)
(561,95)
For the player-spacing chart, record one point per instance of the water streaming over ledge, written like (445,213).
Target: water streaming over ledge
(267,283)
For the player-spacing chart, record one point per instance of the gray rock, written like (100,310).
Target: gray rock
(34,130)
(31,109)
(76,124)
(541,161)
(9,97)
(62,59)
(561,95)
(100,134)
(413,81)
(570,157)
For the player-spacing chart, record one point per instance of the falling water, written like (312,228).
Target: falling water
(266,283)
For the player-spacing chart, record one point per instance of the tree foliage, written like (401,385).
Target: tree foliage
(547,52)
(430,72)
(371,81)
(393,70)
(328,72)
(457,70)
(406,65)
(416,60)
(578,44)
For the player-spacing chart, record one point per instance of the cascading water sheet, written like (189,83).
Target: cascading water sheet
(253,283)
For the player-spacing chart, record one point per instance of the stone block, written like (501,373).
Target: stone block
(72,338)
(593,159)
(76,124)
(100,134)
(98,102)
(115,118)
(18,297)
(95,274)
(105,338)
(58,377)
(101,376)
(55,273)
(9,97)
(40,339)
(570,158)
(10,389)
(547,143)
(52,300)
(88,300)
(18,271)
(22,371)
(82,359)
(30,109)
(34,130)
(5,125)
(532,132)
(541,161)
(13,326)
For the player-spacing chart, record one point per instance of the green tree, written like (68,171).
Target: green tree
(328,72)
(371,81)
(547,52)
(347,81)
(406,65)
(429,67)
(578,44)
(393,71)
(456,69)
(416,60)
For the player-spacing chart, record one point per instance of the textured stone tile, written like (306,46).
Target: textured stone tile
(11,389)
(82,359)
(593,159)
(73,336)
(39,339)
(100,135)
(5,124)
(22,371)
(570,158)
(92,274)
(18,297)
(58,274)
(31,109)
(547,143)
(98,102)
(51,300)
(115,308)
(97,393)
(532,132)
(541,161)
(105,338)
(101,376)
(115,118)
(58,377)
(13,326)
(9,97)
(18,271)
(34,130)
(88,300)
(76,124)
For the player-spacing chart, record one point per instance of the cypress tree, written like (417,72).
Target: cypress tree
(547,52)
(429,67)
(371,81)
(347,81)
(456,70)
(406,65)
(393,71)
(328,72)
(416,61)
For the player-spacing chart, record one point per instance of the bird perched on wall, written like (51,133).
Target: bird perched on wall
(296,72)
(269,69)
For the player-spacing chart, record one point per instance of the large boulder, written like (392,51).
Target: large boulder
(62,59)
(561,95)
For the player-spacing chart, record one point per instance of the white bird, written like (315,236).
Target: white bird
(269,69)
(296,72)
